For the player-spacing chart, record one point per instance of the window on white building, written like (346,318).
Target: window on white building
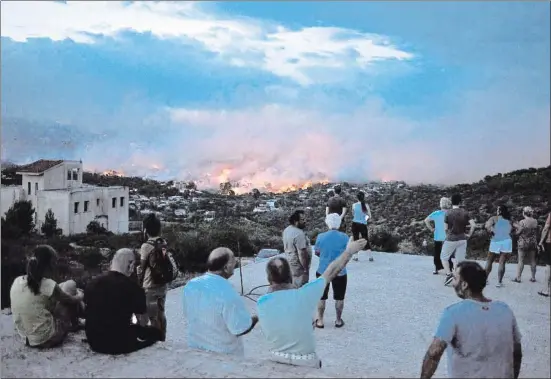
(97,202)
(122,201)
(75,173)
(29,188)
(69,175)
(76,206)
(86,203)
(35,188)
(114,202)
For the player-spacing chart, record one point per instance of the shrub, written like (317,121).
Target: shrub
(90,258)
(49,227)
(383,240)
(94,227)
(19,220)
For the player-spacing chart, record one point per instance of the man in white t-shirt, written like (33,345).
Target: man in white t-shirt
(286,312)
(481,335)
(216,315)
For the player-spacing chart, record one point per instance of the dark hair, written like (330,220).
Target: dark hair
(218,263)
(473,274)
(456,199)
(152,225)
(337,189)
(330,193)
(504,212)
(42,259)
(279,271)
(295,217)
(361,197)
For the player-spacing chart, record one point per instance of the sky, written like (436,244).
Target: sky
(279,92)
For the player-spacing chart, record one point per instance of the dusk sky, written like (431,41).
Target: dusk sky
(434,92)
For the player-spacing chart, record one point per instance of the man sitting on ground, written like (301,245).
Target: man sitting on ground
(481,334)
(216,315)
(285,313)
(111,300)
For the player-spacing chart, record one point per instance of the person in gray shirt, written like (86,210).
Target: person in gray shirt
(297,248)
(480,334)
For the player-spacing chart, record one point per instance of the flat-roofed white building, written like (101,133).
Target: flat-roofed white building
(57,185)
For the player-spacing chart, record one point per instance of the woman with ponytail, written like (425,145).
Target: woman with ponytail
(361,213)
(43,311)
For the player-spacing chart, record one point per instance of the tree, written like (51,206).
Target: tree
(49,227)
(19,220)
(256,193)
(94,227)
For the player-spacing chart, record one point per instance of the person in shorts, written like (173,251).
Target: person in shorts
(361,214)
(456,221)
(297,248)
(501,244)
(439,230)
(329,246)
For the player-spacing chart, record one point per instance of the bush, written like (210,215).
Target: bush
(383,240)
(94,227)
(19,220)
(90,258)
(49,227)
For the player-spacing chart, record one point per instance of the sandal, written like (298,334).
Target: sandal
(319,326)
(339,325)
(543,294)
(516,280)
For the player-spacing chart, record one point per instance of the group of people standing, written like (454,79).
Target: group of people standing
(217,317)
(450,240)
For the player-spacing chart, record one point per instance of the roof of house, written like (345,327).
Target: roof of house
(39,166)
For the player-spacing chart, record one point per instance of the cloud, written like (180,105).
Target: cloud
(306,56)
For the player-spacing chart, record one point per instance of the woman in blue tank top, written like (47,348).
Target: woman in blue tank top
(360,214)
(501,244)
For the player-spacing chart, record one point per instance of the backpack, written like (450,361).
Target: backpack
(163,270)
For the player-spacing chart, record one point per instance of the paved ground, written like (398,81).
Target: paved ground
(391,311)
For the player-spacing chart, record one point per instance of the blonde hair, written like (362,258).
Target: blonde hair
(445,203)
(528,211)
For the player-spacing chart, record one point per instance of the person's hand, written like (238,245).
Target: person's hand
(354,246)
(80,294)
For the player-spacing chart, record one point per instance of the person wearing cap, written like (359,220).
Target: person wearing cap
(329,246)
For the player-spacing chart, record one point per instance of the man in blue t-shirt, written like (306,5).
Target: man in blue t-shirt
(285,313)
(329,246)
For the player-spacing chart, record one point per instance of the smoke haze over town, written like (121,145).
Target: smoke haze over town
(283,93)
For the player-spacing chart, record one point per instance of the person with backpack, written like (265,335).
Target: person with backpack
(157,269)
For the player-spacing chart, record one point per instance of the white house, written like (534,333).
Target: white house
(57,185)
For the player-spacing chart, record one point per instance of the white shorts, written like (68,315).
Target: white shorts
(498,247)
(451,247)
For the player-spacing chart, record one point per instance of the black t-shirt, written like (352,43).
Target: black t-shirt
(336,204)
(111,299)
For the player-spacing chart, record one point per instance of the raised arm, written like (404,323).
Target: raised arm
(338,264)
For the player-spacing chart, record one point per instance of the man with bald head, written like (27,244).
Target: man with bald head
(111,300)
(286,312)
(216,315)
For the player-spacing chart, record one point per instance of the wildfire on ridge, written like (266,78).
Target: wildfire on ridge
(113,173)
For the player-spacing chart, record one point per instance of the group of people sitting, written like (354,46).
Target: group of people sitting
(217,316)
(450,240)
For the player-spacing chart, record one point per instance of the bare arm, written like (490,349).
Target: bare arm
(490,224)
(343,212)
(369,212)
(429,225)
(304,257)
(517,358)
(432,358)
(141,271)
(64,298)
(472,224)
(338,264)
(326,211)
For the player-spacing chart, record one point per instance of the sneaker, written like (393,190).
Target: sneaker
(498,285)
(355,258)
(371,259)
(448,280)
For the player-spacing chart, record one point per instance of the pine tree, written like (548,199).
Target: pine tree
(50,224)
